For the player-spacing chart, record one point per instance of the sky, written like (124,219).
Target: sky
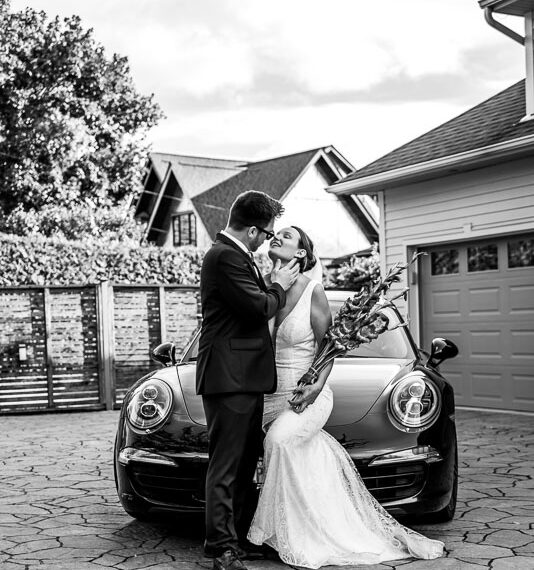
(251,79)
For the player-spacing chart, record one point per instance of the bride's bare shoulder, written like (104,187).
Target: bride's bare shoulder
(319,296)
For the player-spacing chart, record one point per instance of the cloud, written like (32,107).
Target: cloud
(247,77)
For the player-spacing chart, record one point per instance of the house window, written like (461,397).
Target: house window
(444,262)
(184,229)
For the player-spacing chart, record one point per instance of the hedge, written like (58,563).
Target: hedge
(52,261)
(48,261)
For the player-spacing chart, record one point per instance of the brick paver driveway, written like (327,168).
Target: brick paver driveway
(58,507)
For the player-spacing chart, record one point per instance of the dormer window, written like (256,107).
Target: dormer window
(184,229)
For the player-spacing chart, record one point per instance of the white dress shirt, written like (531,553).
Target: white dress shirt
(242,246)
(237,241)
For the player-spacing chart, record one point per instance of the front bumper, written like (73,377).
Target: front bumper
(404,482)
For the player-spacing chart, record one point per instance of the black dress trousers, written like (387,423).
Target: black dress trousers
(235,443)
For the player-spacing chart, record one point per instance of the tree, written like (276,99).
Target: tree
(72,124)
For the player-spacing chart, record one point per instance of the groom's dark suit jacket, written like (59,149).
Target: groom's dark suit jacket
(235,352)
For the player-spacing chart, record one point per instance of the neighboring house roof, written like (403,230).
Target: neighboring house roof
(213,184)
(274,177)
(213,170)
(496,120)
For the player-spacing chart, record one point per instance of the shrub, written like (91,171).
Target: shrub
(41,261)
(351,274)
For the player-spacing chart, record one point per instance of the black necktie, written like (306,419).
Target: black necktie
(256,268)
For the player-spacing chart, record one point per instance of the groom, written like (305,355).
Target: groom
(236,367)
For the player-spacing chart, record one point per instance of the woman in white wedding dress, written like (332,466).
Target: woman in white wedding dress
(314,509)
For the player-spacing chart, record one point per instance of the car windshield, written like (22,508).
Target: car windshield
(390,344)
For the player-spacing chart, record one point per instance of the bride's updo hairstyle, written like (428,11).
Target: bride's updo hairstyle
(305,243)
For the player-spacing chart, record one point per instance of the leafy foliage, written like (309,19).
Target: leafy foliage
(353,274)
(41,261)
(72,124)
(76,222)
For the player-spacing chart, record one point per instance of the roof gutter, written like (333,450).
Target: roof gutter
(476,158)
(488,15)
(525,9)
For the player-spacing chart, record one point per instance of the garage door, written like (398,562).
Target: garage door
(481,296)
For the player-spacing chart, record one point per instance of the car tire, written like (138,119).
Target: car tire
(447,513)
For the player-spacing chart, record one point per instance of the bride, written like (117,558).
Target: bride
(314,508)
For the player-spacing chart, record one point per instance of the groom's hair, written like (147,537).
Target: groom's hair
(253,208)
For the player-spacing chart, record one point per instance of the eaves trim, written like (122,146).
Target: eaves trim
(432,168)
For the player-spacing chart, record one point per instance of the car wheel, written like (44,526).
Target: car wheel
(447,513)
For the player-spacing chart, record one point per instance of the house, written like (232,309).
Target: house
(186,200)
(464,194)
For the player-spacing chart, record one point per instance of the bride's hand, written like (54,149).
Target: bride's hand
(303,396)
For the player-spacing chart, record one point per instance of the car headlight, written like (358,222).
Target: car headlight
(149,405)
(414,403)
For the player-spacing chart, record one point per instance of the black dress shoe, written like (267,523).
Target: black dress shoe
(229,560)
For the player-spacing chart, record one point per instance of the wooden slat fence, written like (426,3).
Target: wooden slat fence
(82,347)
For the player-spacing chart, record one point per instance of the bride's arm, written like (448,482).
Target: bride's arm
(321,319)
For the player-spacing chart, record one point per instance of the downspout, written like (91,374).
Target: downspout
(529,81)
(528,42)
(488,14)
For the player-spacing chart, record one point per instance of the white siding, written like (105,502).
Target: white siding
(322,216)
(491,201)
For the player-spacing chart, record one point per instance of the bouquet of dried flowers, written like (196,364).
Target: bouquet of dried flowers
(360,320)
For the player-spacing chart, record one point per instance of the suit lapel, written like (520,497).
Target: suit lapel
(253,267)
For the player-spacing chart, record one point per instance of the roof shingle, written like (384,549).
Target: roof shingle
(274,177)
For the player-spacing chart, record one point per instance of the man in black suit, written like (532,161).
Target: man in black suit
(236,367)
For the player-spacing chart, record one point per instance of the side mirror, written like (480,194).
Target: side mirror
(165,354)
(442,349)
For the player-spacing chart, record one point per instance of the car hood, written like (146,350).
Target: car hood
(356,382)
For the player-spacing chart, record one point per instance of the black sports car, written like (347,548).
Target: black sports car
(393,412)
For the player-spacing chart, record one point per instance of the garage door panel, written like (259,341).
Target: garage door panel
(522,345)
(446,304)
(484,304)
(486,301)
(487,386)
(521,299)
(486,344)
(523,393)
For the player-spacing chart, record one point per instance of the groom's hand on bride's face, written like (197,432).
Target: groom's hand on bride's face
(287,275)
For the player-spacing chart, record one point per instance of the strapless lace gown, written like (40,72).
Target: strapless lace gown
(314,508)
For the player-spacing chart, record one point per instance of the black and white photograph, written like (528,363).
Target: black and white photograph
(267,285)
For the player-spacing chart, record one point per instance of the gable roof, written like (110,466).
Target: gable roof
(496,120)
(184,166)
(274,177)
(196,173)
(213,184)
